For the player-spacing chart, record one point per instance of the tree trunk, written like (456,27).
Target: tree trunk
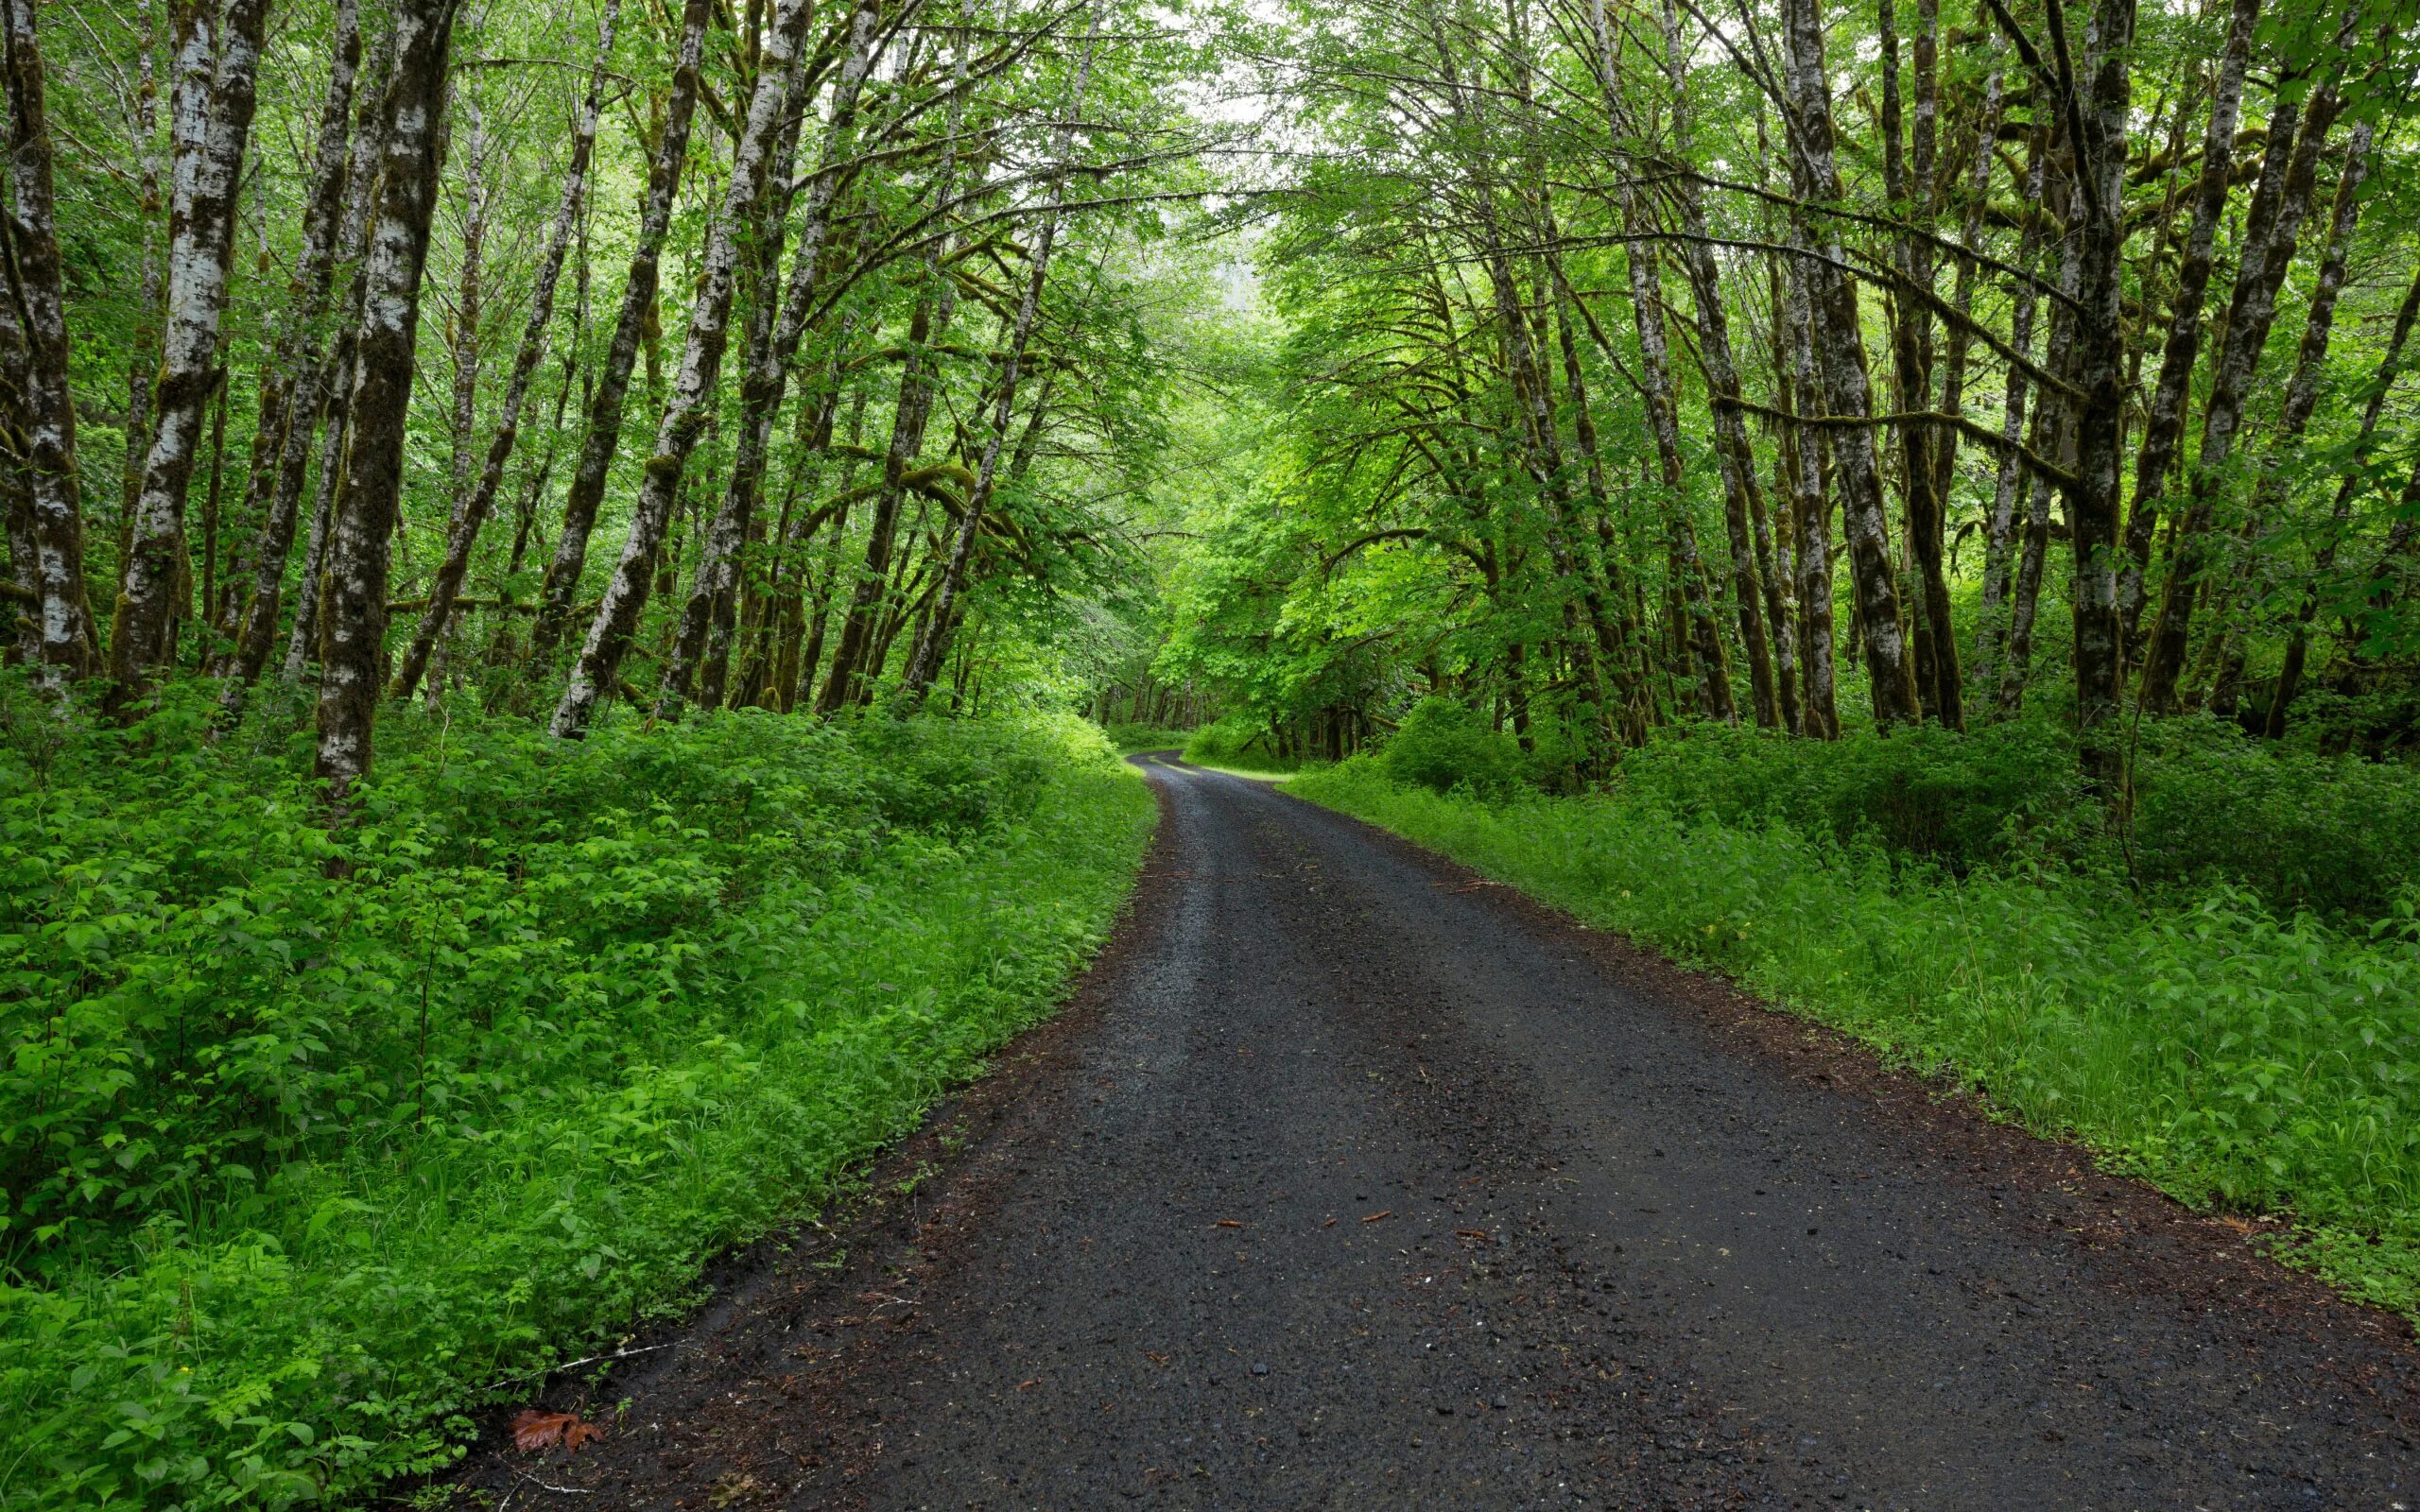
(1848,391)
(2249,316)
(320,397)
(1810,507)
(925,661)
(364,523)
(771,349)
(217,89)
(598,670)
(1934,649)
(2164,423)
(2000,526)
(63,615)
(1764,629)
(2324,562)
(288,393)
(480,500)
(2095,112)
(560,589)
(143,361)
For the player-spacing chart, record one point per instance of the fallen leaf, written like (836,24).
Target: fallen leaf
(1155,1359)
(533,1430)
(1383,1213)
(1227,1223)
(1025,1385)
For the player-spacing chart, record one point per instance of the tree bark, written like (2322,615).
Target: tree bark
(2164,422)
(363,532)
(560,588)
(63,615)
(216,89)
(704,634)
(479,502)
(1848,390)
(599,669)
(2250,312)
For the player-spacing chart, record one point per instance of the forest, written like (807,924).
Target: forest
(580,572)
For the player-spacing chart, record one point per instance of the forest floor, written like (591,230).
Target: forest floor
(1351,1180)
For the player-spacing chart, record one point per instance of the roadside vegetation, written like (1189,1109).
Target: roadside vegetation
(2233,1014)
(305,1167)
(552,556)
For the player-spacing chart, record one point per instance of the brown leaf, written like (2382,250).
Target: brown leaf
(1226,1223)
(533,1430)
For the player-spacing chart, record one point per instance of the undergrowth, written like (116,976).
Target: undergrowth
(1240,743)
(2237,1057)
(1129,739)
(300,1171)
(2339,835)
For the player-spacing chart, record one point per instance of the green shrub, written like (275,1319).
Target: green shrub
(299,1171)
(1127,738)
(2231,1056)
(1443,744)
(1958,801)
(2334,833)
(1237,740)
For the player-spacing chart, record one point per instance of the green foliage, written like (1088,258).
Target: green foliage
(1237,740)
(2336,834)
(1958,801)
(300,1170)
(2234,1057)
(1443,746)
(1127,739)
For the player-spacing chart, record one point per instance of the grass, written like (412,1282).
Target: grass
(359,1158)
(2237,1058)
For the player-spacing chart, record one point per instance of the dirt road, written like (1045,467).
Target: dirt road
(1352,1182)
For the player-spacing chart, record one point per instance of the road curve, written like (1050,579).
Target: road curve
(1354,1182)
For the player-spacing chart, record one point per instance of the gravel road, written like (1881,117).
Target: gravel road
(1351,1181)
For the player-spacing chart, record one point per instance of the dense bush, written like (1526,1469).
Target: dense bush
(298,1169)
(2232,1056)
(1145,737)
(1237,740)
(2336,834)
(1443,744)
(2332,834)
(1961,801)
